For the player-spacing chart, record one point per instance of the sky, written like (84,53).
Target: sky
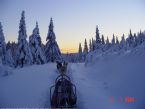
(74,20)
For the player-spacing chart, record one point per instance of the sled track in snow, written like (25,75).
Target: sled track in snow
(71,74)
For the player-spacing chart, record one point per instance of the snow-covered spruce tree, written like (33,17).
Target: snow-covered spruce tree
(93,44)
(23,55)
(130,41)
(90,46)
(135,40)
(113,40)
(107,45)
(9,58)
(8,45)
(103,43)
(80,53)
(123,43)
(2,46)
(98,40)
(117,44)
(113,44)
(141,38)
(14,47)
(5,50)
(85,47)
(35,47)
(52,51)
(85,51)
(117,41)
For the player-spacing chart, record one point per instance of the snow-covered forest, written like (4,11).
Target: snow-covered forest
(27,52)
(101,46)
(24,53)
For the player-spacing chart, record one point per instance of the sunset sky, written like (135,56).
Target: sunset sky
(74,20)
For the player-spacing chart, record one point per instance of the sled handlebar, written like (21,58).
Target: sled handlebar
(62,77)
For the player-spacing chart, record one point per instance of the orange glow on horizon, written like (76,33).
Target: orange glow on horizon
(65,50)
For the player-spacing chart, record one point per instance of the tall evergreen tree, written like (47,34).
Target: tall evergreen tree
(141,38)
(117,44)
(113,44)
(5,50)
(52,50)
(98,39)
(2,46)
(90,45)
(103,41)
(107,41)
(136,40)
(14,47)
(80,48)
(85,51)
(107,45)
(93,44)
(8,45)
(80,53)
(85,47)
(130,40)
(24,56)
(9,58)
(35,47)
(117,41)
(123,43)
(113,40)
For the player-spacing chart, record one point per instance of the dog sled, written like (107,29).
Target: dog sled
(63,93)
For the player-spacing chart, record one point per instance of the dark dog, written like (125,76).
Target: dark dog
(62,67)
(63,94)
(59,65)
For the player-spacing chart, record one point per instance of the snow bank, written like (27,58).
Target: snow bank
(5,71)
(110,79)
(28,87)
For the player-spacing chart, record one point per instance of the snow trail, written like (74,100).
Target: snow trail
(111,75)
(86,91)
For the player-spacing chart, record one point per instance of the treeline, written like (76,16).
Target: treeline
(100,45)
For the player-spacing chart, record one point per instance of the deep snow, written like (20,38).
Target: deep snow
(112,75)
(27,87)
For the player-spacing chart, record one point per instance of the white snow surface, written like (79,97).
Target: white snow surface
(112,75)
(5,71)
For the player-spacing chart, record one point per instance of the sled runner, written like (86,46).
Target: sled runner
(64,93)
